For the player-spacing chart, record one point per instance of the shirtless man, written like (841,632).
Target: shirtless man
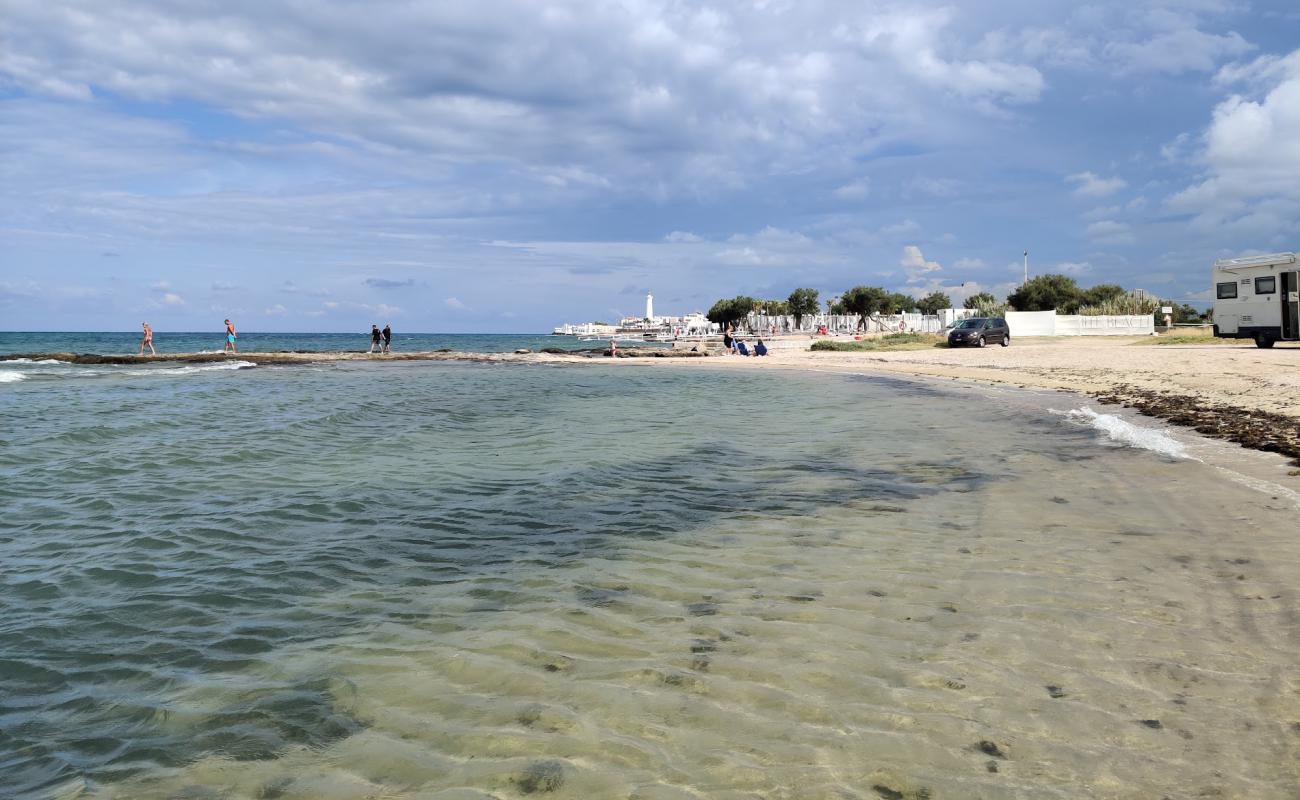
(147,341)
(230,337)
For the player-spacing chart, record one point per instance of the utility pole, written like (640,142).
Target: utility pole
(1026,268)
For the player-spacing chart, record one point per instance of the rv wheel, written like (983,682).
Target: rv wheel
(1263,340)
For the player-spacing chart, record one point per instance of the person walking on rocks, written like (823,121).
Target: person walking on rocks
(147,341)
(230,337)
(374,338)
(388,336)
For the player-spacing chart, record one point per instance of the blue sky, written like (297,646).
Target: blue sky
(507,166)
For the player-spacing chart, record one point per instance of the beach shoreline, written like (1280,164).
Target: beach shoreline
(1239,394)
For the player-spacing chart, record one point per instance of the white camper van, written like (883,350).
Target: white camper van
(1258,297)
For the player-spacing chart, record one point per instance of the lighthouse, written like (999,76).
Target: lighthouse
(649,307)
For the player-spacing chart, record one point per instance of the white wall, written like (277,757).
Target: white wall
(1031,323)
(1049,323)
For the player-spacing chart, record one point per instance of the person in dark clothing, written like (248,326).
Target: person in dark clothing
(374,337)
(760,349)
(727,341)
(388,336)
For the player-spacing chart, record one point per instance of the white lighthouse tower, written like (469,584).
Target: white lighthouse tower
(649,307)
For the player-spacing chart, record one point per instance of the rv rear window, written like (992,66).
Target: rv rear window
(1266,285)
(1227,291)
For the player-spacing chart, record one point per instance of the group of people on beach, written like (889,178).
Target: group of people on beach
(376,334)
(736,346)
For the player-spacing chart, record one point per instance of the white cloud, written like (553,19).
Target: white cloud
(277,310)
(901,229)
(912,37)
(683,237)
(1251,154)
(915,265)
(854,190)
(1092,185)
(452,302)
(173,299)
(1177,51)
(968,263)
(1072,268)
(159,286)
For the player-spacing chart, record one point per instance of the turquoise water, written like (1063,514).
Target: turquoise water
(454,580)
(171,342)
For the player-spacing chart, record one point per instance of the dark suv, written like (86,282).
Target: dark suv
(980,331)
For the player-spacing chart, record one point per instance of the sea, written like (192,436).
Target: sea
(661,581)
(125,343)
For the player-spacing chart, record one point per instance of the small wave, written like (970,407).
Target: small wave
(30,361)
(190,370)
(11,376)
(1121,431)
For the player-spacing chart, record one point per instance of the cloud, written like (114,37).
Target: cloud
(453,303)
(968,263)
(912,37)
(1251,153)
(915,265)
(1177,51)
(854,190)
(682,237)
(1071,268)
(904,228)
(1110,232)
(225,286)
(383,283)
(277,310)
(159,286)
(1091,185)
(171,299)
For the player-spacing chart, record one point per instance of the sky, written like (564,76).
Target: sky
(511,165)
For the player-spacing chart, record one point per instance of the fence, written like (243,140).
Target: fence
(761,324)
(1049,323)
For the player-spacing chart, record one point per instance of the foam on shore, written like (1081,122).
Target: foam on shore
(1121,431)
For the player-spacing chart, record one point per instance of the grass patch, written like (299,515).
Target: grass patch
(1195,338)
(892,342)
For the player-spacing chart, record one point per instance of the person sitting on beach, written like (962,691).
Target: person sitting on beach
(741,348)
(760,349)
(147,341)
(388,336)
(374,337)
(728,343)
(230,337)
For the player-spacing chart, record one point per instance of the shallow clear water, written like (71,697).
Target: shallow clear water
(452,580)
(196,342)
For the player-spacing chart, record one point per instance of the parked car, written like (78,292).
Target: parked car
(980,331)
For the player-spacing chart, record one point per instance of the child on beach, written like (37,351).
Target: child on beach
(147,341)
(230,337)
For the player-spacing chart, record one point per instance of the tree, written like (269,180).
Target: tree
(864,301)
(980,300)
(932,302)
(897,302)
(801,303)
(728,312)
(1100,293)
(1047,293)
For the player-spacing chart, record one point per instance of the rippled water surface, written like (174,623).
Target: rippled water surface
(472,581)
